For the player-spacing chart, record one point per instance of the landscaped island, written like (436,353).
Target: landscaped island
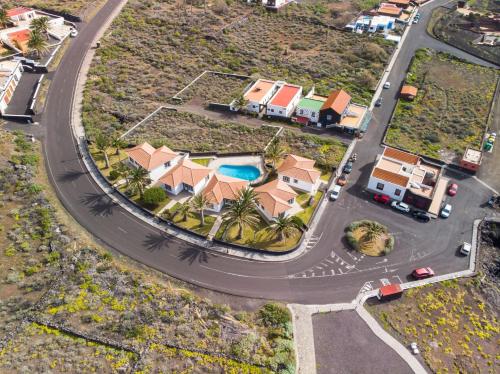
(370,238)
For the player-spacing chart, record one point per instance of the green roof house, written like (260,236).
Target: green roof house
(307,111)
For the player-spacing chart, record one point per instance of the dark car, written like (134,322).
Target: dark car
(347,168)
(421,215)
(379,102)
(383,199)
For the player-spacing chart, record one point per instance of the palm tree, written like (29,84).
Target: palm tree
(372,231)
(4,18)
(285,227)
(248,197)
(40,25)
(37,43)
(200,203)
(118,143)
(275,151)
(102,144)
(138,179)
(242,212)
(183,210)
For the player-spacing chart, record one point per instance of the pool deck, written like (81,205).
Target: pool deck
(256,161)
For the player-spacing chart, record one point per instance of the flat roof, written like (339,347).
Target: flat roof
(259,89)
(285,94)
(310,104)
(354,117)
(472,155)
(7,68)
(439,191)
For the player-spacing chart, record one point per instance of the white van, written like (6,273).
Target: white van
(335,192)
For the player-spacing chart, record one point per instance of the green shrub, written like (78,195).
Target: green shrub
(154,196)
(274,315)
(114,175)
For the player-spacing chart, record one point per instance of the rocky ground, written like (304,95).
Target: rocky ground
(489,258)
(69,306)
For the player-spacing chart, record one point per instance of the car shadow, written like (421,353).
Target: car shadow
(99,204)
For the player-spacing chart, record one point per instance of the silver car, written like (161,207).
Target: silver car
(402,207)
(446,211)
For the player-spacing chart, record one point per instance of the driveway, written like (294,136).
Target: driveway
(344,344)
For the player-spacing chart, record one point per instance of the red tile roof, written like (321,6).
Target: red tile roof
(338,101)
(405,157)
(299,168)
(150,158)
(223,187)
(187,172)
(274,196)
(17,11)
(390,177)
(20,36)
(409,91)
(284,95)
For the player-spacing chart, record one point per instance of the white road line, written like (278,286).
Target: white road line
(486,185)
(122,230)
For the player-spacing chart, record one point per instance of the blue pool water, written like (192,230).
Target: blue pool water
(246,172)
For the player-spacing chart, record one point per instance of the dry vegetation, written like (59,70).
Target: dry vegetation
(73,7)
(64,307)
(155,48)
(450,111)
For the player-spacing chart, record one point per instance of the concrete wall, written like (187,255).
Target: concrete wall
(389,188)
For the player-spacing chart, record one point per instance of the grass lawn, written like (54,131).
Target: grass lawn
(308,211)
(202,161)
(113,159)
(193,223)
(326,175)
(136,199)
(450,111)
(259,238)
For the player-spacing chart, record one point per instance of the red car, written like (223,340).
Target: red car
(422,273)
(384,199)
(452,189)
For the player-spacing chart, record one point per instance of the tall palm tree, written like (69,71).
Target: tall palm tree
(102,144)
(247,197)
(275,151)
(40,25)
(118,143)
(138,179)
(37,44)
(285,227)
(4,18)
(200,203)
(183,211)
(242,212)
(373,231)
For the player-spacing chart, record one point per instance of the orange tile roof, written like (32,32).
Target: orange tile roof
(409,90)
(338,100)
(390,177)
(187,172)
(259,90)
(389,9)
(284,95)
(274,196)
(405,157)
(17,11)
(150,158)
(222,187)
(400,2)
(299,168)
(20,36)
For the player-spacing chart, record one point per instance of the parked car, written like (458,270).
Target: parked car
(452,189)
(421,215)
(342,180)
(334,193)
(422,273)
(347,168)
(73,33)
(465,248)
(379,102)
(414,348)
(402,207)
(415,20)
(387,85)
(380,198)
(446,211)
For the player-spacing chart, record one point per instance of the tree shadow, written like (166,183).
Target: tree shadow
(192,254)
(70,176)
(157,242)
(99,204)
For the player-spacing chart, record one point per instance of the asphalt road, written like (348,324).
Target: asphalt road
(326,273)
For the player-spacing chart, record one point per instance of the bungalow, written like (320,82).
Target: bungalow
(20,14)
(334,108)
(156,161)
(275,4)
(299,173)
(186,176)
(392,10)
(222,190)
(381,24)
(274,199)
(284,101)
(10,74)
(307,110)
(259,94)
(408,92)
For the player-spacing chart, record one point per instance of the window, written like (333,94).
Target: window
(301,111)
(380,186)
(313,114)
(329,117)
(187,187)
(167,164)
(295,181)
(290,201)
(281,112)
(168,188)
(286,179)
(272,110)
(397,192)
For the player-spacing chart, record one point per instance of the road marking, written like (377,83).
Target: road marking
(122,230)
(366,287)
(381,262)
(486,185)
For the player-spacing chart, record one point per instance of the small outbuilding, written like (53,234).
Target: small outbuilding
(471,160)
(409,92)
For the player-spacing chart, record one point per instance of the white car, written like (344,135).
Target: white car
(73,33)
(402,207)
(465,248)
(414,348)
(446,211)
(387,84)
(335,192)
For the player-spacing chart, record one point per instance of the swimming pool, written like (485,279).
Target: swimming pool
(246,172)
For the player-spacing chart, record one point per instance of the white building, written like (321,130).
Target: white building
(274,199)
(222,190)
(284,101)
(307,110)
(21,14)
(275,4)
(259,94)
(10,74)
(186,176)
(299,173)
(156,161)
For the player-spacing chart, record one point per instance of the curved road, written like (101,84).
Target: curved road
(326,272)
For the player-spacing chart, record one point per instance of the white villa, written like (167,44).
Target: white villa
(222,190)
(186,176)
(10,74)
(156,161)
(259,94)
(299,173)
(275,198)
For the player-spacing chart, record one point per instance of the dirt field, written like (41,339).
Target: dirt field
(451,108)
(154,50)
